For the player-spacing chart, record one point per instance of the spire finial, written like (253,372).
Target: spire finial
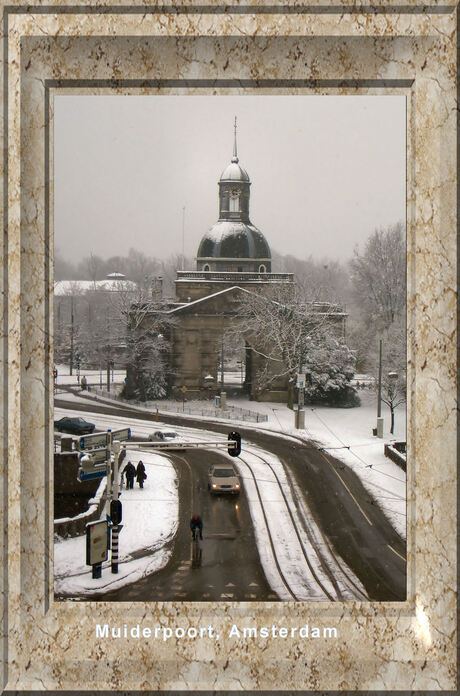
(235,151)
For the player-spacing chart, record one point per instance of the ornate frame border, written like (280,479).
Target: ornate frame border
(307,48)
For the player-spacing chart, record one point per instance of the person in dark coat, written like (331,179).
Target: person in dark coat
(83,383)
(196,523)
(140,474)
(130,472)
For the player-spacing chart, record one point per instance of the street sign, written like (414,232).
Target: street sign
(92,441)
(93,458)
(96,474)
(300,381)
(123,434)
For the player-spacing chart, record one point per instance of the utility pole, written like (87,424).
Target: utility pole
(71,336)
(379,394)
(183,238)
(300,420)
(223,395)
(222,363)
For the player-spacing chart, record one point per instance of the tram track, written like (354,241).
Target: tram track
(296,508)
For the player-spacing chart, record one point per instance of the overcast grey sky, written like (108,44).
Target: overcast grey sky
(325,170)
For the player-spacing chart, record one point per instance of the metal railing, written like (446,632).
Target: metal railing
(234,276)
(195,409)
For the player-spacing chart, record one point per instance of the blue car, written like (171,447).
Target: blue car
(75,426)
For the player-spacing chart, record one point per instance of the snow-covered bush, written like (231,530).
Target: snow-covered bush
(329,367)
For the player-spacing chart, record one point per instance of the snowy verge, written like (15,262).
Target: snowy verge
(150,519)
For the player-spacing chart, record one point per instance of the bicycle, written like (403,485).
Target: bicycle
(196,548)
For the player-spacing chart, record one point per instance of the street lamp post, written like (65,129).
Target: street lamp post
(392,377)
(379,395)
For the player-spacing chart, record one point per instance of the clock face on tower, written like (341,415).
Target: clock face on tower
(234,193)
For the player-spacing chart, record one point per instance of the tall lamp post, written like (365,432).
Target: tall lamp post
(392,379)
(379,428)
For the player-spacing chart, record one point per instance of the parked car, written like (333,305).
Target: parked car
(75,426)
(223,478)
(166,436)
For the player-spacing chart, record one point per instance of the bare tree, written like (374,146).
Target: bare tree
(93,266)
(378,276)
(289,335)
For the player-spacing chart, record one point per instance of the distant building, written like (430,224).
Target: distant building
(86,320)
(113,282)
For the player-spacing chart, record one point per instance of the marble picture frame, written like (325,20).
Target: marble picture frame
(315,49)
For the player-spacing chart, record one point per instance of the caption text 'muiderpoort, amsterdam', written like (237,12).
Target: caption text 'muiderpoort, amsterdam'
(165,633)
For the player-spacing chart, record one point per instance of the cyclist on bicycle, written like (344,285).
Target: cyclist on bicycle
(196,523)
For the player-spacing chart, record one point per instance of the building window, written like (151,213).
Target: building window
(206,267)
(240,269)
(262,268)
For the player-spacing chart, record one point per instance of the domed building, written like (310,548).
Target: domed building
(233,257)
(233,251)
(233,243)
(233,261)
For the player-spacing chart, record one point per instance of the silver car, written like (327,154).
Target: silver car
(223,478)
(167,437)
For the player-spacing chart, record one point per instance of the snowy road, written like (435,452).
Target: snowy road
(297,560)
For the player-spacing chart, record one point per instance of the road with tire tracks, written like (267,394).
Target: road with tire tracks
(229,569)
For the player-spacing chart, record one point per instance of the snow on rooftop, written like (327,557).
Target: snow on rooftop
(80,287)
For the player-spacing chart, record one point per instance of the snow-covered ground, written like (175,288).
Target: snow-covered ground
(345,433)
(150,518)
(95,377)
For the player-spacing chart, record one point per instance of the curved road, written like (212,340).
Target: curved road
(346,512)
(227,565)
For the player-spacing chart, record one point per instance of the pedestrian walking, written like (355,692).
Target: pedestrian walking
(130,472)
(140,474)
(83,383)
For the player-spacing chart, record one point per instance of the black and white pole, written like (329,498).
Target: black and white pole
(115,507)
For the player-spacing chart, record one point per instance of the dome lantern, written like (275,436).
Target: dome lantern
(233,243)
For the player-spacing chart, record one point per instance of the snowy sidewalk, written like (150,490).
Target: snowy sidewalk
(150,517)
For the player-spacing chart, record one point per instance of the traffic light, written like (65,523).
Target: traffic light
(234,450)
(115,511)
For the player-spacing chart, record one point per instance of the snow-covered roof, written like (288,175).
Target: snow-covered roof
(80,287)
(234,239)
(186,305)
